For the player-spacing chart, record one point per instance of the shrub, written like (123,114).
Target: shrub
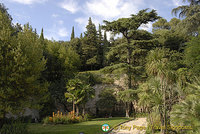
(46,120)
(15,127)
(59,118)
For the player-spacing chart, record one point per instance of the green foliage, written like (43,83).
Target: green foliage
(192,55)
(107,101)
(15,127)
(188,110)
(161,24)
(127,26)
(90,47)
(127,95)
(130,50)
(79,92)
(160,92)
(168,35)
(21,64)
(72,34)
(191,14)
(62,64)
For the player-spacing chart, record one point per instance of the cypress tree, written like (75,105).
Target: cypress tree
(106,45)
(42,35)
(81,36)
(72,34)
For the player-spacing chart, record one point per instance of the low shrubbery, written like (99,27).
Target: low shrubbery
(14,127)
(60,118)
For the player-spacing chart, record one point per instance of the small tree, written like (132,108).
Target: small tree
(78,93)
(107,101)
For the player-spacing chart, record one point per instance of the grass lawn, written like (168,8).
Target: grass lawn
(89,127)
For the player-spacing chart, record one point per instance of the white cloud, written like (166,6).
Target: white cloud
(147,27)
(28,2)
(57,31)
(62,32)
(55,15)
(83,21)
(177,2)
(60,22)
(18,17)
(109,9)
(70,5)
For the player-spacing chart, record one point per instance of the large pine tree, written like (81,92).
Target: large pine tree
(128,49)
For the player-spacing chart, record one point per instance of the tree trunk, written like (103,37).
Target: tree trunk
(77,110)
(127,109)
(151,122)
(83,112)
(73,108)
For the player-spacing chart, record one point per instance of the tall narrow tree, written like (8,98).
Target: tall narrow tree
(72,34)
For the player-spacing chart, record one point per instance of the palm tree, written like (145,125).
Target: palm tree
(191,13)
(188,110)
(187,10)
(161,67)
(78,93)
(86,94)
(73,91)
(127,97)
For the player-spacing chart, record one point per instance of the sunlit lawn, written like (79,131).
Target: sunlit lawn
(89,127)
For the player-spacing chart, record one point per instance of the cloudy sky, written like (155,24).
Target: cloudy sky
(58,16)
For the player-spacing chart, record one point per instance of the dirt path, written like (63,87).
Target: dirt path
(137,126)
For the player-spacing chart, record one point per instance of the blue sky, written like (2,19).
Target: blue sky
(57,17)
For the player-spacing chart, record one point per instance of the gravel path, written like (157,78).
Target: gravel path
(137,126)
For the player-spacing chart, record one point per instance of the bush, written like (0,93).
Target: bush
(15,127)
(59,118)
(46,120)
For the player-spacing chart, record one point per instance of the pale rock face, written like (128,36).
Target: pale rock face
(27,112)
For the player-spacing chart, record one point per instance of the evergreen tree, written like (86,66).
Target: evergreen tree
(168,35)
(21,64)
(127,51)
(42,35)
(90,47)
(100,49)
(106,46)
(191,55)
(81,36)
(191,14)
(72,34)
(62,64)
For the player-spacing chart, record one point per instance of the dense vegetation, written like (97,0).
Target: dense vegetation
(162,68)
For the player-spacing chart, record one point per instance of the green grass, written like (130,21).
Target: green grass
(89,127)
